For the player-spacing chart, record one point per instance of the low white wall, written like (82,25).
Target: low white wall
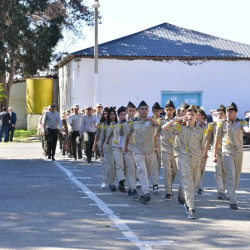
(120,81)
(18,102)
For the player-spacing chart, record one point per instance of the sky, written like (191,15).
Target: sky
(228,19)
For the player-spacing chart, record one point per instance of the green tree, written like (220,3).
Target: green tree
(29,31)
(2,95)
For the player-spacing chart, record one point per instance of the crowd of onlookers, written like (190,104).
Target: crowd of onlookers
(8,120)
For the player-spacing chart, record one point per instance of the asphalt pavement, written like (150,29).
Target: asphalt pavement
(59,205)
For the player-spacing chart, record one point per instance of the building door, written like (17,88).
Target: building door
(191,98)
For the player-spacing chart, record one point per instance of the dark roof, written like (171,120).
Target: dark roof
(166,40)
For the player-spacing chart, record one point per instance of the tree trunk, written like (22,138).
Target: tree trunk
(7,84)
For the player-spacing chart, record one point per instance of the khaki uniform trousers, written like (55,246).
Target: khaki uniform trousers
(170,170)
(131,169)
(120,166)
(107,150)
(202,173)
(190,174)
(233,166)
(144,164)
(156,168)
(104,170)
(220,174)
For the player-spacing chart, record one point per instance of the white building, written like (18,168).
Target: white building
(157,64)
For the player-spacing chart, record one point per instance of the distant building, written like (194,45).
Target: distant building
(160,63)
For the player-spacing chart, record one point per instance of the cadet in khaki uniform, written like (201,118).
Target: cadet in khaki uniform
(156,109)
(106,149)
(116,144)
(220,173)
(102,123)
(128,156)
(231,133)
(143,130)
(167,149)
(201,120)
(182,113)
(189,149)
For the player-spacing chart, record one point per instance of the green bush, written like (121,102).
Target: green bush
(19,133)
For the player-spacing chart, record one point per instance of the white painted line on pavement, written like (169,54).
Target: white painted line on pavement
(221,206)
(100,214)
(75,170)
(92,185)
(244,179)
(125,229)
(84,178)
(118,205)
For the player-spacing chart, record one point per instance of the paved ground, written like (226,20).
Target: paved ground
(52,205)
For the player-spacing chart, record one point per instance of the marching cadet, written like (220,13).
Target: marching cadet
(167,140)
(230,132)
(181,112)
(116,144)
(220,174)
(156,110)
(106,149)
(102,123)
(189,149)
(201,120)
(143,130)
(128,156)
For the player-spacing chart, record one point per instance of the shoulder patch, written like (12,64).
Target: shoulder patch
(178,127)
(210,126)
(219,124)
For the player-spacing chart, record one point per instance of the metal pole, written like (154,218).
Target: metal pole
(96,6)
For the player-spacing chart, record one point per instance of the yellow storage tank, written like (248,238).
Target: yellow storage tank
(38,94)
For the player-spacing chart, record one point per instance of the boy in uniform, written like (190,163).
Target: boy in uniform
(167,149)
(189,149)
(230,132)
(143,130)
(201,121)
(220,173)
(128,156)
(182,113)
(117,151)
(156,109)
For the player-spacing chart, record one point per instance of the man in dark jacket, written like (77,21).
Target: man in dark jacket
(4,124)
(12,123)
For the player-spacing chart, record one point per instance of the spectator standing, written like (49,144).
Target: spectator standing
(88,125)
(4,124)
(12,123)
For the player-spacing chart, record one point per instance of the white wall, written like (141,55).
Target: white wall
(18,102)
(121,81)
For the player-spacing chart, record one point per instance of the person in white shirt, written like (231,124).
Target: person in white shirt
(88,125)
(74,121)
(52,124)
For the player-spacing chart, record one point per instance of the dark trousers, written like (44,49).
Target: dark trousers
(76,143)
(52,135)
(5,130)
(89,145)
(11,132)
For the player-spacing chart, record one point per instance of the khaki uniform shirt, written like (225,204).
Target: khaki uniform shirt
(125,132)
(116,134)
(211,135)
(167,137)
(231,134)
(189,141)
(143,133)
